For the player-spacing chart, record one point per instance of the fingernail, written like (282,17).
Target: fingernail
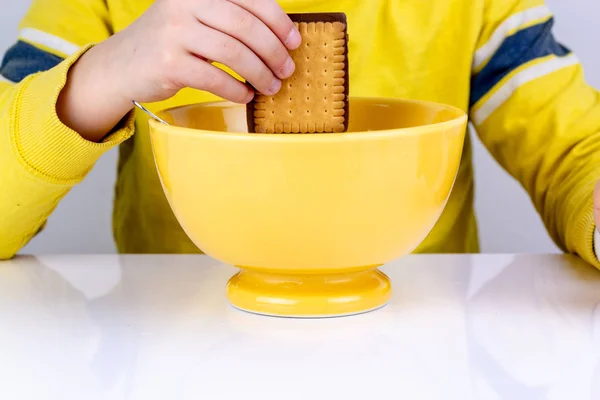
(293,40)
(275,86)
(250,97)
(288,68)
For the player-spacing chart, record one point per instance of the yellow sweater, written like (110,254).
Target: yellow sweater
(497,59)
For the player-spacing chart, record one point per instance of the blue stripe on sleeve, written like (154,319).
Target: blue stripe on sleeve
(524,46)
(23,60)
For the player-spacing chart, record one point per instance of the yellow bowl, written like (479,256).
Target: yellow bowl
(309,218)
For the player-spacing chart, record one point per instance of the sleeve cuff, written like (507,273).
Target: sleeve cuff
(581,236)
(43,143)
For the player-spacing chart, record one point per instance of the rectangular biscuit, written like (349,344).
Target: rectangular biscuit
(315,98)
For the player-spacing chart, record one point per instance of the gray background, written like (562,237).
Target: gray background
(507,220)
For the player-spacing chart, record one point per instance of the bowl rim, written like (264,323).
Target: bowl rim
(460,119)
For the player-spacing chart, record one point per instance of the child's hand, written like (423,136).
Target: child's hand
(168,47)
(171,47)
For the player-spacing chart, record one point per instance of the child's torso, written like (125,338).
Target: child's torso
(398,48)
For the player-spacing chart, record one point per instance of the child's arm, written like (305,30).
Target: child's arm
(40,157)
(171,47)
(62,106)
(539,118)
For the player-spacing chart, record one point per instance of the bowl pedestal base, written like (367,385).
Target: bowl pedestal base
(309,295)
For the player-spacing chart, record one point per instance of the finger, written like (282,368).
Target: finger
(271,13)
(198,74)
(217,46)
(244,26)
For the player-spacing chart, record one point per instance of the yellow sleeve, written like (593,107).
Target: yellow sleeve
(534,111)
(41,158)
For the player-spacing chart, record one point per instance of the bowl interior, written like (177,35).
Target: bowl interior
(366,114)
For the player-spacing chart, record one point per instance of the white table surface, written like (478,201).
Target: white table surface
(159,327)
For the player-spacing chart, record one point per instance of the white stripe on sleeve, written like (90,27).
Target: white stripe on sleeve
(521,78)
(501,33)
(47,40)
